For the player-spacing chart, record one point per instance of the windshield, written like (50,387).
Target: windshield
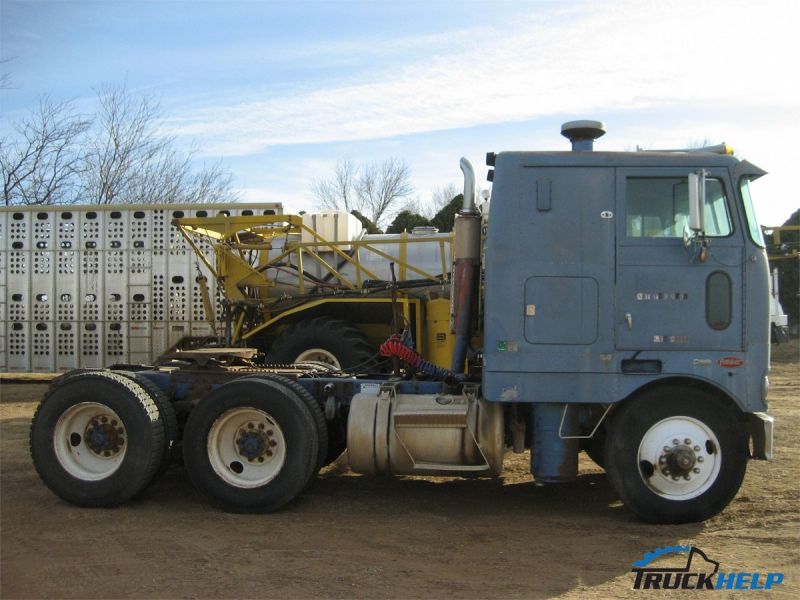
(750,213)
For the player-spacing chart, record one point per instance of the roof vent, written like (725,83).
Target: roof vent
(582,134)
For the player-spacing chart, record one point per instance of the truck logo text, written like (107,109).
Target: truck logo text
(696,572)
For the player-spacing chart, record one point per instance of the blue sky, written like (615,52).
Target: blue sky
(281,91)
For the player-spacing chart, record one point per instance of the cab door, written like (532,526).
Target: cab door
(667,297)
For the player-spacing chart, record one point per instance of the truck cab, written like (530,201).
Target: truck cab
(607,295)
(625,286)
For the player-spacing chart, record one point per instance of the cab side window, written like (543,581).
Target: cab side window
(658,207)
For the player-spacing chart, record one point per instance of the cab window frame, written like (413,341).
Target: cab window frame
(678,178)
(751,223)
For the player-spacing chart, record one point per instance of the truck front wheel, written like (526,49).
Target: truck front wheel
(675,455)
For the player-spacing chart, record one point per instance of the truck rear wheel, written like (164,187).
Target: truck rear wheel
(97,439)
(675,455)
(316,412)
(322,339)
(251,445)
(168,418)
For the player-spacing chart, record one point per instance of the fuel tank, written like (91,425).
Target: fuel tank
(425,434)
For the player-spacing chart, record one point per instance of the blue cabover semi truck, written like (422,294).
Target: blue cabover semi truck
(615,302)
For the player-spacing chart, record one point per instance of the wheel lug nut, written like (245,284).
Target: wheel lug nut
(260,459)
(675,478)
(696,448)
(700,459)
(269,431)
(250,426)
(269,453)
(695,470)
(687,441)
(676,441)
(261,426)
(662,459)
(666,448)
(686,477)
(273,443)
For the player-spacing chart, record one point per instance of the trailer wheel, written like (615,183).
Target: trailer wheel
(322,339)
(97,439)
(675,455)
(251,445)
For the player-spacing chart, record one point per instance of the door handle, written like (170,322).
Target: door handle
(629,320)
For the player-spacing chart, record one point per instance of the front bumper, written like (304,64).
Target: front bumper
(759,429)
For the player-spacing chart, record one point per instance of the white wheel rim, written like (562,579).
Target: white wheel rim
(246,447)
(683,455)
(318,355)
(90,441)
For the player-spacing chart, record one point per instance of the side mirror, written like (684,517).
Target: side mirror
(697,200)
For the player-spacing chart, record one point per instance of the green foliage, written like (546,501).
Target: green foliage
(365,222)
(406,221)
(444,219)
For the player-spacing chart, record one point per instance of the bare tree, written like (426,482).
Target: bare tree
(124,151)
(416,206)
(442,196)
(117,157)
(40,164)
(381,185)
(129,162)
(210,184)
(338,192)
(374,189)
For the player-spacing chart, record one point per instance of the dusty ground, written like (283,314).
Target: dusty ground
(352,536)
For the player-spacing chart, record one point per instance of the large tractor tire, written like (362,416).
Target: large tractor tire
(322,339)
(675,455)
(251,445)
(97,438)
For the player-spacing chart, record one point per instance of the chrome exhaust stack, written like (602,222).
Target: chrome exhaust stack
(466,255)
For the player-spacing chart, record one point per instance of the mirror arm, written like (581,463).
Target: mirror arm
(694,234)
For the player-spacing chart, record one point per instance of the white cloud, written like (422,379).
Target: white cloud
(582,60)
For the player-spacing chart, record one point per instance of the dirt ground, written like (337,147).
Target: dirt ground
(359,537)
